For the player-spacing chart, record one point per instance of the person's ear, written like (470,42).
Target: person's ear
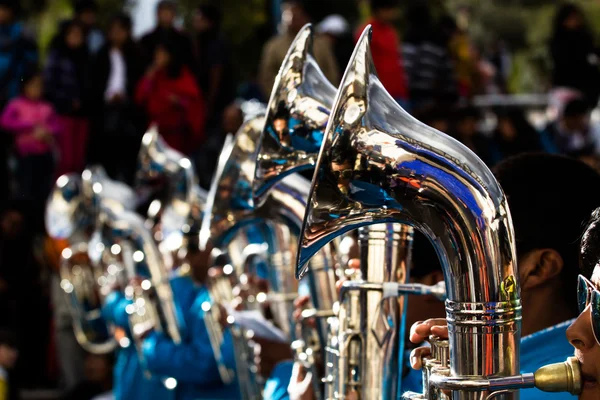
(538,267)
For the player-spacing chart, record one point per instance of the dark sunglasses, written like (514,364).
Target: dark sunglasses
(587,293)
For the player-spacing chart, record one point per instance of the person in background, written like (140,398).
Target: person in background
(35,125)
(9,354)
(206,162)
(547,258)
(18,53)
(171,99)
(190,363)
(428,65)
(386,49)
(98,377)
(514,134)
(574,54)
(86,14)
(64,83)
(337,31)
(466,130)
(294,16)
(213,62)
(165,31)
(115,72)
(572,133)
(463,54)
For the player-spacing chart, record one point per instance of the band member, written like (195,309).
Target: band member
(176,371)
(584,333)
(547,242)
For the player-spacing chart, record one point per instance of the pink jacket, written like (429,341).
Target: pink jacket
(21,116)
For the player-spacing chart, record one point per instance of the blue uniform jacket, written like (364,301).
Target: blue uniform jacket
(191,363)
(130,380)
(277,384)
(541,348)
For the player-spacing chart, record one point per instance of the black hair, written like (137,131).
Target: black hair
(123,20)
(212,13)
(59,41)
(82,6)
(29,75)
(562,13)
(576,107)
(176,58)
(383,4)
(166,4)
(8,338)
(550,199)
(590,245)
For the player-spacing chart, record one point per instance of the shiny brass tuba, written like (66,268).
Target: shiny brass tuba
(72,213)
(232,222)
(380,165)
(297,115)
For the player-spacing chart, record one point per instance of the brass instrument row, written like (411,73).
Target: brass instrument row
(378,175)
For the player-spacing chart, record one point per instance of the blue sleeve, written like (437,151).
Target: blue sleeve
(276,387)
(114,309)
(190,362)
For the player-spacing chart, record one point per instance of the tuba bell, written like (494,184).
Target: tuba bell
(380,165)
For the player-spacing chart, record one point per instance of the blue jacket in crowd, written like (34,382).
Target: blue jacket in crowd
(191,363)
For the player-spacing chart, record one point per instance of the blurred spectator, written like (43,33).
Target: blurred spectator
(231,120)
(514,134)
(428,65)
(574,55)
(35,125)
(116,127)
(461,51)
(385,47)
(213,63)
(170,96)
(9,354)
(165,31)
(466,130)
(17,53)
(293,17)
(98,378)
(86,13)
(64,84)
(500,59)
(573,134)
(336,29)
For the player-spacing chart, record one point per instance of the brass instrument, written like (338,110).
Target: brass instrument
(72,213)
(296,119)
(181,201)
(231,216)
(380,165)
(148,287)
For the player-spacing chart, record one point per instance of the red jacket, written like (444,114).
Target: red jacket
(176,105)
(387,56)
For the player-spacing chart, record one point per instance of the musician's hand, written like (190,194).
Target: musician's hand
(269,353)
(354,263)
(300,305)
(300,387)
(419,332)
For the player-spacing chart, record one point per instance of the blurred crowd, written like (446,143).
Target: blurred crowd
(92,98)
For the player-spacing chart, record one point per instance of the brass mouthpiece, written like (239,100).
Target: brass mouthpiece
(560,377)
